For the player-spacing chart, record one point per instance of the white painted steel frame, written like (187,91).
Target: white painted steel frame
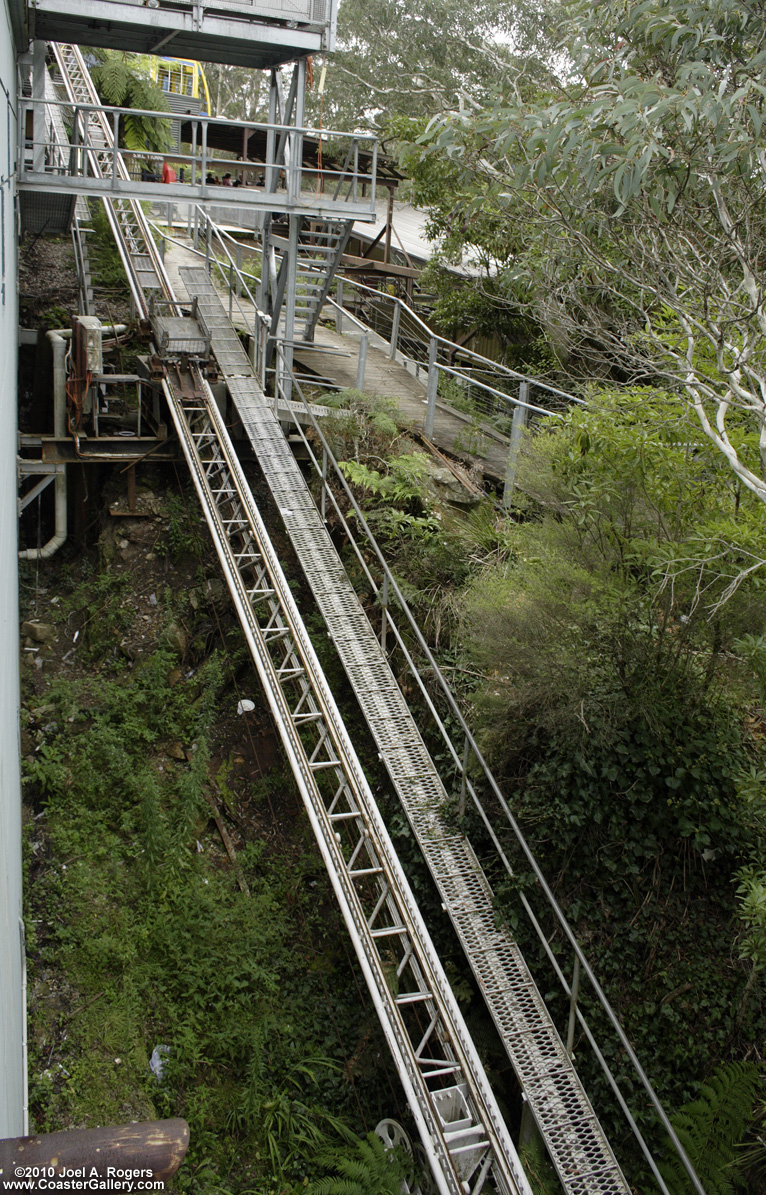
(249,41)
(320,197)
(436,1057)
(138,251)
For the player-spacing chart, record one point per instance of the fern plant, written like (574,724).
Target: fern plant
(364,1167)
(122,82)
(404,481)
(711,1128)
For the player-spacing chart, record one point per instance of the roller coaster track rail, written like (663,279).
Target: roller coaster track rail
(139,253)
(465,1138)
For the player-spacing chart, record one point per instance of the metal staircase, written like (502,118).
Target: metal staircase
(320,246)
(319,257)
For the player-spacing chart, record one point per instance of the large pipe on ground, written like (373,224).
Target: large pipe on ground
(152,1149)
(58,339)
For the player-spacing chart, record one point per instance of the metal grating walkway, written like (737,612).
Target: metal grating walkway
(463,1132)
(567,1122)
(232,359)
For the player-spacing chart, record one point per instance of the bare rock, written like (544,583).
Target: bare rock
(39,632)
(174,637)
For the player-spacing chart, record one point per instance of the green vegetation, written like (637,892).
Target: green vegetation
(621,205)
(618,715)
(710,1127)
(608,641)
(146,942)
(364,1168)
(123,81)
(105,261)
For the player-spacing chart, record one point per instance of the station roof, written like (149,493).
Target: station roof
(408,236)
(229,139)
(224,33)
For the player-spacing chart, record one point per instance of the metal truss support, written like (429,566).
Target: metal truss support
(463,1133)
(136,245)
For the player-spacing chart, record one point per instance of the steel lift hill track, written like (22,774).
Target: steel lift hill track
(467,1143)
(465,1138)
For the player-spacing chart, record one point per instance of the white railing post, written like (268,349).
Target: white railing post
(395,328)
(574,993)
(464,777)
(384,620)
(39,50)
(279,365)
(115,143)
(264,341)
(339,309)
(433,385)
(323,504)
(362,363)
(517,427)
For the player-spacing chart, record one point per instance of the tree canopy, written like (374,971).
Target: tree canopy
(625,205)
(418,57)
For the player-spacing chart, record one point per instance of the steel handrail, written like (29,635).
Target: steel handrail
(201,118)
(462,765)
(456,712)
(493,366)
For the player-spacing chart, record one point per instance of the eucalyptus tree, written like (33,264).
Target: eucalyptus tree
(632,203)
(238,92)
(419,57)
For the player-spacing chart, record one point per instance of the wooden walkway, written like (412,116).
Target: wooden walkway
(383,378)
(335,357)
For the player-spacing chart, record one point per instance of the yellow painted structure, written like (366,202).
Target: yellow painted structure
(181,76)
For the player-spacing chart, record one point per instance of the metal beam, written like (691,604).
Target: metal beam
(218,37)
(257,199)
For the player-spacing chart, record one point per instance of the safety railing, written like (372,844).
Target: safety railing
(343,184)
(589,1021)
(480,389)
(456,376)
(81,266)
(227,268)
(512,405)
(223,258)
